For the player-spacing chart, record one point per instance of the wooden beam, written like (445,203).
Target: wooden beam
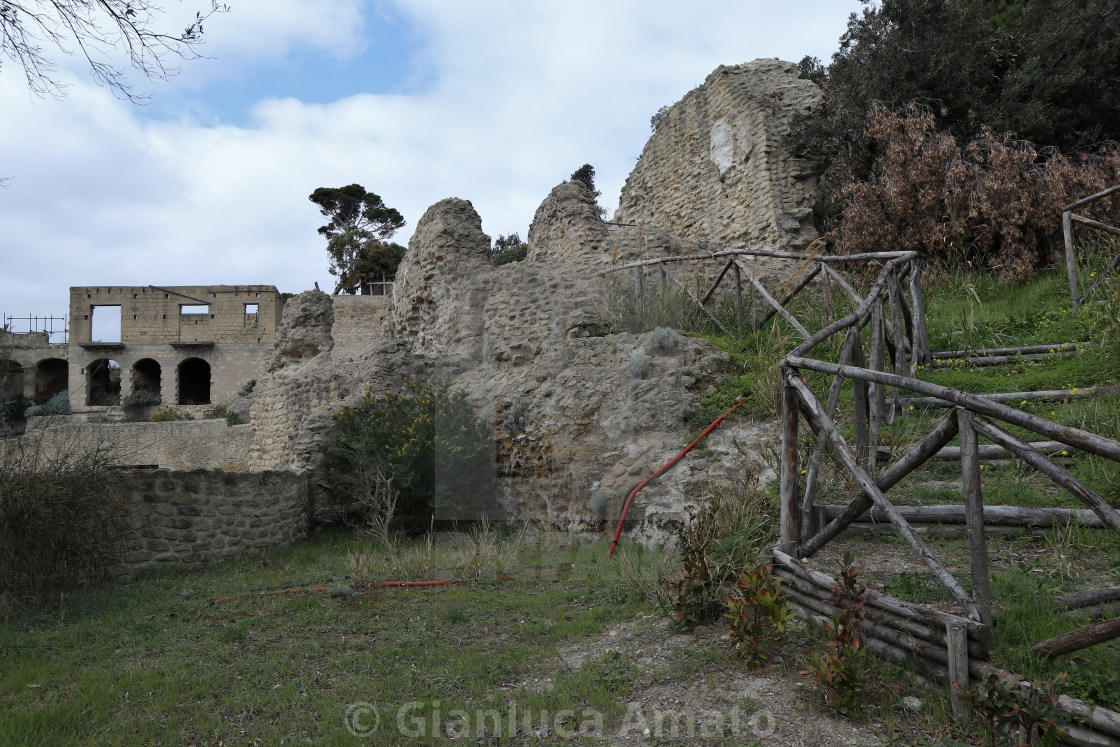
(989,352)
(703,308)
(1015,516)
(921,336)
(1109,515)
(789,523)
(1075,640)
(958,670)
(1081,599)
(738,301)
(1091,198)
(772,301)
(822,423)
(1071,258)
(1049,395)
(704,298)
(830,258)
(945,431)
(1084,440)
(788,297)
(974,517)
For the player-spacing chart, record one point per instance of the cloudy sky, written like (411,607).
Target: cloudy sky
(494,101)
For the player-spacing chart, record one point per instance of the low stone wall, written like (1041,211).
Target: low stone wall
(195,517)
(187,444)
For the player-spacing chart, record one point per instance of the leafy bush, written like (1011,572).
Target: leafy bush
(61,512)
(639,365)
(757,613)
(426,439)
(1003,712)
(247,388)
(141,398)
(508,249)
(721,538)
(224,412)
(169,414)
(12,411)
(59,404)
(663,341)
(842,667)
(996,205)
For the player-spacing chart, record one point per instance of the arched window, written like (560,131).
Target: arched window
(194,382)
(51,377)
(11,379)
(103,382)
(146,376)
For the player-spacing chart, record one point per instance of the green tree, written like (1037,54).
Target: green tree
(360,225)
(1046,70)
(508,249)
(585,174)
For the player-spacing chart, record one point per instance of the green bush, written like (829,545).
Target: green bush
(218,412)
(169,414)
(639,365)
(427,440)
(11,412)
(59,404)
(61,512)
(141,398)
(663,341)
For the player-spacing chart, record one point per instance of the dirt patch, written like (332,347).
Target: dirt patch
(691,690)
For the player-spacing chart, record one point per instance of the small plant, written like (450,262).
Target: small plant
(218,412)
(842,666)
(376,492)
(757,614)
(169,414)
(141,398)
(247,388)
(1006,712)
(59,404)
(663,341)
(639,365)
(513,417)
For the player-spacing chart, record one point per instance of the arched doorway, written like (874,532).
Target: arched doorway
(194,382)
(103,382)
(51,377)
(146,376)
(11,379)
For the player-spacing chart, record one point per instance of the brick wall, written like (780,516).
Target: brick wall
(195,517)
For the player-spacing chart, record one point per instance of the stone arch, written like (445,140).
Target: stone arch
(11,379)
(194,382)
(103,382)
(147,376)
(51,377)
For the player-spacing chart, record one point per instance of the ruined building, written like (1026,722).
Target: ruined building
(190,345)
(575,424)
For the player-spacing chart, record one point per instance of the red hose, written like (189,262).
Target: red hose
(665,468)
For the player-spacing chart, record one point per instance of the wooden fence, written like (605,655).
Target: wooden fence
(1068,219)
(950,647)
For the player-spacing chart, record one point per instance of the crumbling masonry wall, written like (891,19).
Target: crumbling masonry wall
(715,169)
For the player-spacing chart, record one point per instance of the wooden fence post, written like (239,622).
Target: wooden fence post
(738,300)
(1071,259)
(974,519)
(790,523)
(956,636)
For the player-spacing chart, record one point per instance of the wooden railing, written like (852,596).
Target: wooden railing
(1068,219)
(943,645)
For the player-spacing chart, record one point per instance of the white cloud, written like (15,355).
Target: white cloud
(523,94)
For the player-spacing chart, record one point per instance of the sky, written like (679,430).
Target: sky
(493,101)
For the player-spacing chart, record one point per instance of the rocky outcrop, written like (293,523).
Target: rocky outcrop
(715,169)
(567,226)
(304,331)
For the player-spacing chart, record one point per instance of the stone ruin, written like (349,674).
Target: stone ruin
(532,337)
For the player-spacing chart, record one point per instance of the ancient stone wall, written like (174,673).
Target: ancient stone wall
(198,516)
(715,168)
(360,324)
(187,444)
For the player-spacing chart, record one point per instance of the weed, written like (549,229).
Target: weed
(170,414)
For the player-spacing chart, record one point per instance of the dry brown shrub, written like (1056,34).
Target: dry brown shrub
(996,205)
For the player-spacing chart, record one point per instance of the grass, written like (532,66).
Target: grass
(159,659)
